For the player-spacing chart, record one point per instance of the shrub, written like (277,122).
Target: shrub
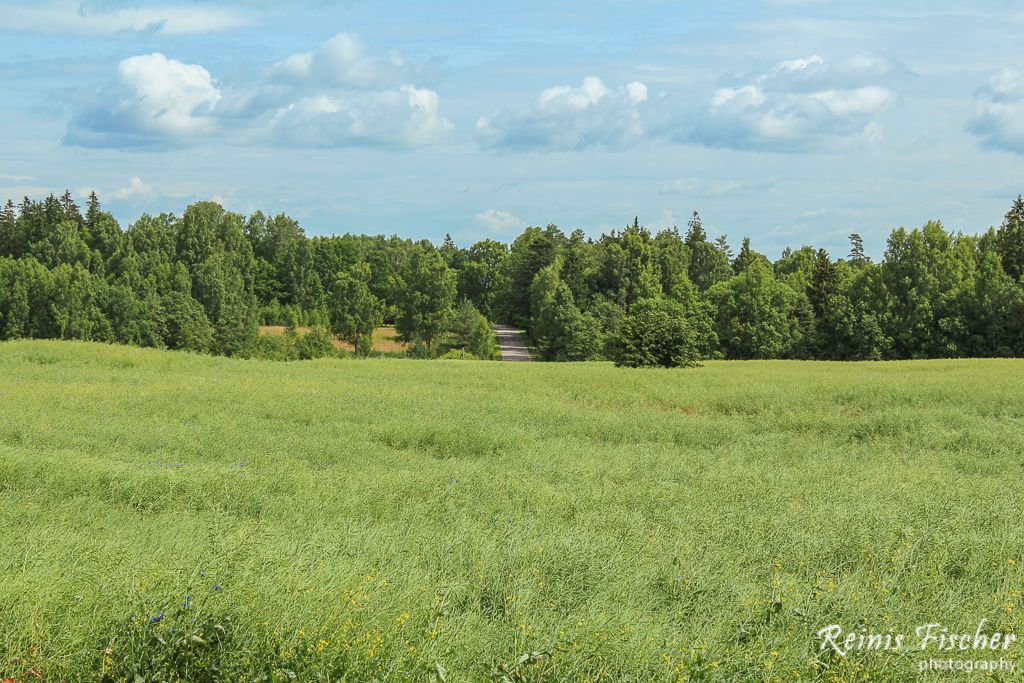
(471,331)
(276,347)
(657,333)
(188,328)
(317,343)
(458,354)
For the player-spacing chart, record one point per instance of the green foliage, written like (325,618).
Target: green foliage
(695,233)
(672,257)
(461,354)
(795,268)
(609,316)
(857,256)
(181,643)
(1010,240)
(708,265)
(746,258)
(283,262)
(427,296)
(532,251)
(188,328)
(561,331)
(279,347)
(129,319)
(304,344)
(211,243)
(657,333)
(482,273)
(317,343)
(629,270)
(354,310)
(755,315)
(471,332)
(205,280)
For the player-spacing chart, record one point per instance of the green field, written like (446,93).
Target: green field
(402,520)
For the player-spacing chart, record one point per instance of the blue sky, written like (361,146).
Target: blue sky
(789,121)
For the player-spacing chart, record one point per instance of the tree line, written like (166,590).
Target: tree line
(204,281)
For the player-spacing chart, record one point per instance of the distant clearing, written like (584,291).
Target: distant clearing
(385,339)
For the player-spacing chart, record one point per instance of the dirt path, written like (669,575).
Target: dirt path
(513,343)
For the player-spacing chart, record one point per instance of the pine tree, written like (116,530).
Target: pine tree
(722,244)
(744,258)
(857,256)
(70,208)
(1010,240)
(9,230)
(695,231)
(449,252)
(92,211)
(824,283)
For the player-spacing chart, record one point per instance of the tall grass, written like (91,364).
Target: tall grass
(388,520)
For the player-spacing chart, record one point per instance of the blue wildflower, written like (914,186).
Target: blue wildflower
(157,617)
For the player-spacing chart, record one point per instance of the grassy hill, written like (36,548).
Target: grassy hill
(400,520)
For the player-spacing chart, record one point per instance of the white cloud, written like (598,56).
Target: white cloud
(637,92)
(798,104)
(407,116)
(135,188)
(567,117)
(153,100)
(999,121)
(330,97)
(170,97)
(71,18)
(19,192)
(667,220)
(499,222)
(708,188)
(343,61)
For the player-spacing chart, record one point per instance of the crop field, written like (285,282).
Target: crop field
(168,516)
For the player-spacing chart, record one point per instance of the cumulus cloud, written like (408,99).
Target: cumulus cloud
(331,97)
(85,19)
(406,116)
(569,118)
(999,121)
(814,73)
(797,105)
(499,222)
(154,100)
(135,188)
(343,61)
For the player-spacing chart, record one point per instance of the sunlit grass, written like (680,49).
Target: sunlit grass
(441,520)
